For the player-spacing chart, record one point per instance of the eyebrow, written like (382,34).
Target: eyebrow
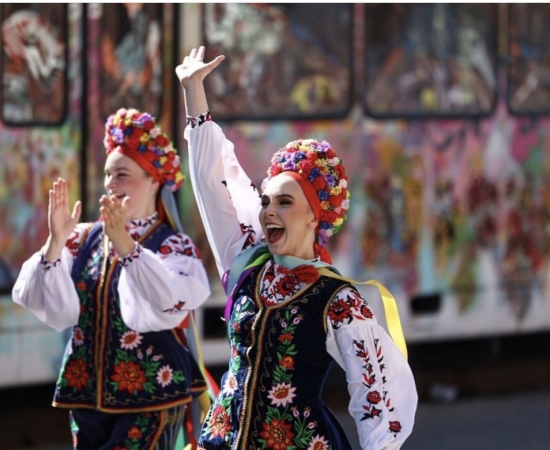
(280,196)
(118,169)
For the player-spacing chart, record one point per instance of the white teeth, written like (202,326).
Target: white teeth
(272,225)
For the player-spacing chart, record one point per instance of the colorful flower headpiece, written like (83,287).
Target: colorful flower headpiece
(318,163)
(136,135)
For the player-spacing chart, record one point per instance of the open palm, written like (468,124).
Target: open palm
(193,66)
(60,219)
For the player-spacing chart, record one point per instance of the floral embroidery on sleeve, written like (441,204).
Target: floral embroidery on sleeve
(47,265)
(347,306)
(176,308)
(179,244)
(197,121)
(250,236)
(374,400)
(132,256)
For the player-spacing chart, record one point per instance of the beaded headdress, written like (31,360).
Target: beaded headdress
(317,163)
(136,135)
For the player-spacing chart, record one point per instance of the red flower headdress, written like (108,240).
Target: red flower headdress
(137,136)
(317,163)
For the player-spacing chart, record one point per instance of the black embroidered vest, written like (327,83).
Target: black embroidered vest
(271,395)
(109,367)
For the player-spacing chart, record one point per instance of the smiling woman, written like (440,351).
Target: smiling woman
(124,284)
(290,315)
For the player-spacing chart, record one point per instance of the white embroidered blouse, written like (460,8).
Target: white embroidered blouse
(156,289)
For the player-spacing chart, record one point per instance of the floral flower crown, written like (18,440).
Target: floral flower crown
(137,135)
(318,163)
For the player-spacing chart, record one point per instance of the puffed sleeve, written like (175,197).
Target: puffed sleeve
(157,290)
(227,200)
(383,396)
(46,287)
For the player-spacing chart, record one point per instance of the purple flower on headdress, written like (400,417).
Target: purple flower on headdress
(289,165)
(331,181)
(118,136)
(145,117)
(128,131)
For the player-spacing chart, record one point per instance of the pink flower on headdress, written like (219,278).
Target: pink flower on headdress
(137,131)
(318,163)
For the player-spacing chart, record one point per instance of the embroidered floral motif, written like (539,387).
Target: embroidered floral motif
(47,265)
(250,234)
(282,394)
(137,369)
(78,336)
(129,376)
(132,256)
(347,306)
(219,424)
(176,308)
(165,375)
(369,378)
(279,283)
(395,426)
(130,339)
(230,385)
(318,443)
(76,375)
(277,435)
(285,426)
(197,121)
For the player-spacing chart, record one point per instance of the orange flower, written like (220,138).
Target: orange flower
(76,375)
(134,433)
(277,434)
(129,376)
(287,362)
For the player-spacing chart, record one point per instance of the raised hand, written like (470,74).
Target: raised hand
(193,67)
(61,222)
(113,211)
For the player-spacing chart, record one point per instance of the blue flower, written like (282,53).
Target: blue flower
(323,195)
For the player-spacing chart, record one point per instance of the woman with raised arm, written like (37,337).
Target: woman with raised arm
(289,314)
(125,284)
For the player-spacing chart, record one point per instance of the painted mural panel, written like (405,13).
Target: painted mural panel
(32,157)
(34,63)
(131,57)
(281,61)
(433,59)
(529,67)
(460,210)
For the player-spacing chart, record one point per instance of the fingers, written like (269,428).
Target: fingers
(200,53)
(59,194)
(77,210)
(113,211)
(216,62)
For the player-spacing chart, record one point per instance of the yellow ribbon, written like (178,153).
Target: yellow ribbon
(390,308)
